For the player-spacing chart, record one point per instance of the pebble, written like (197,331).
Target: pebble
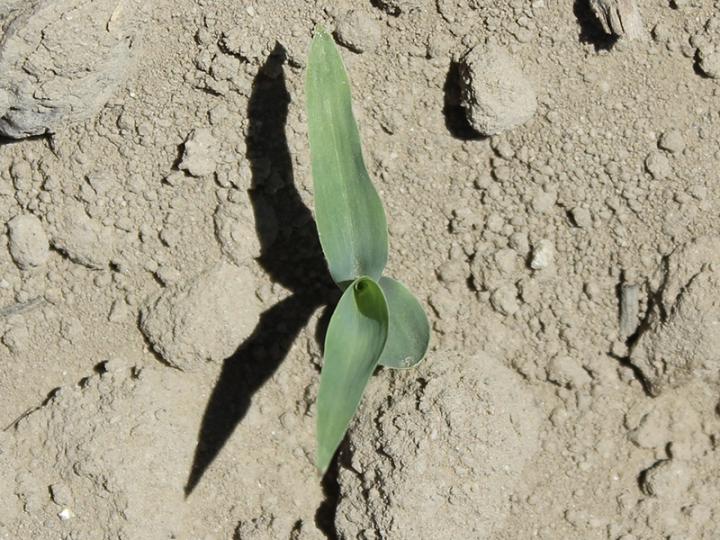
(658,165)
(581,217)
(452,272)
(167,275)
(543,255)
(666,479)
(709,61)
(672,141)
(65,514)
(60,494)
(358,31)
(200,153)
(504,299)
(496,94)
(544,201)
(28,241)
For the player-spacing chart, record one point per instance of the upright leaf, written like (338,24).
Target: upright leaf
(355,339)
(409,330)
(350,217)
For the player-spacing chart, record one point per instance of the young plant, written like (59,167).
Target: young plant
(377,321)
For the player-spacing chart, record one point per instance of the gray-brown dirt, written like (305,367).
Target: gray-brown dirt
(163,296)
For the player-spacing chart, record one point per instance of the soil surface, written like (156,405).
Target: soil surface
(549,170)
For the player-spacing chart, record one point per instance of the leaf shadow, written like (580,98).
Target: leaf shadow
(291,256)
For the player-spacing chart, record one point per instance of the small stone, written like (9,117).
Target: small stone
(452,272)
(17,338)
(666,479)
(28,242)
(65,514)
(709,62)
(581,217)
(543,255)
(544,201)
(358,31)
(505,301)
(658,165)
(167,275)
(496,94)
(672,141)
(567,371)
(200,153)
(60,494)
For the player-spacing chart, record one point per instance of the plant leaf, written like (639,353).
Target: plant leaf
(355,339)
(409,330)
(349,213)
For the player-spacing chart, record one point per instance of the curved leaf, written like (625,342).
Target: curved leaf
(409,330)
(355,339)
(350,217)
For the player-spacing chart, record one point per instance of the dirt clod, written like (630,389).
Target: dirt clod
(203,319)
(496,95)
(28,242)
(466,427)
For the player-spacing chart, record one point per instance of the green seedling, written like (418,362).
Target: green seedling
(377,321)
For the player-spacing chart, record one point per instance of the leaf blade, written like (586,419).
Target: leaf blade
(354,341)
(409,329)
(350,217)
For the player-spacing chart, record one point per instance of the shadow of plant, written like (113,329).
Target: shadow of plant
(293,259)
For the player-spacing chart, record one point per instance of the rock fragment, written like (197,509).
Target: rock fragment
(505,301)
(358,31)
(667,478)
(61,61)
(202,319)
(495,93)
(581,217)
(200,153)
(28,241)
(672,141)
(658,165)
(543,255)
(619,18)
(629,309)
(709,61)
